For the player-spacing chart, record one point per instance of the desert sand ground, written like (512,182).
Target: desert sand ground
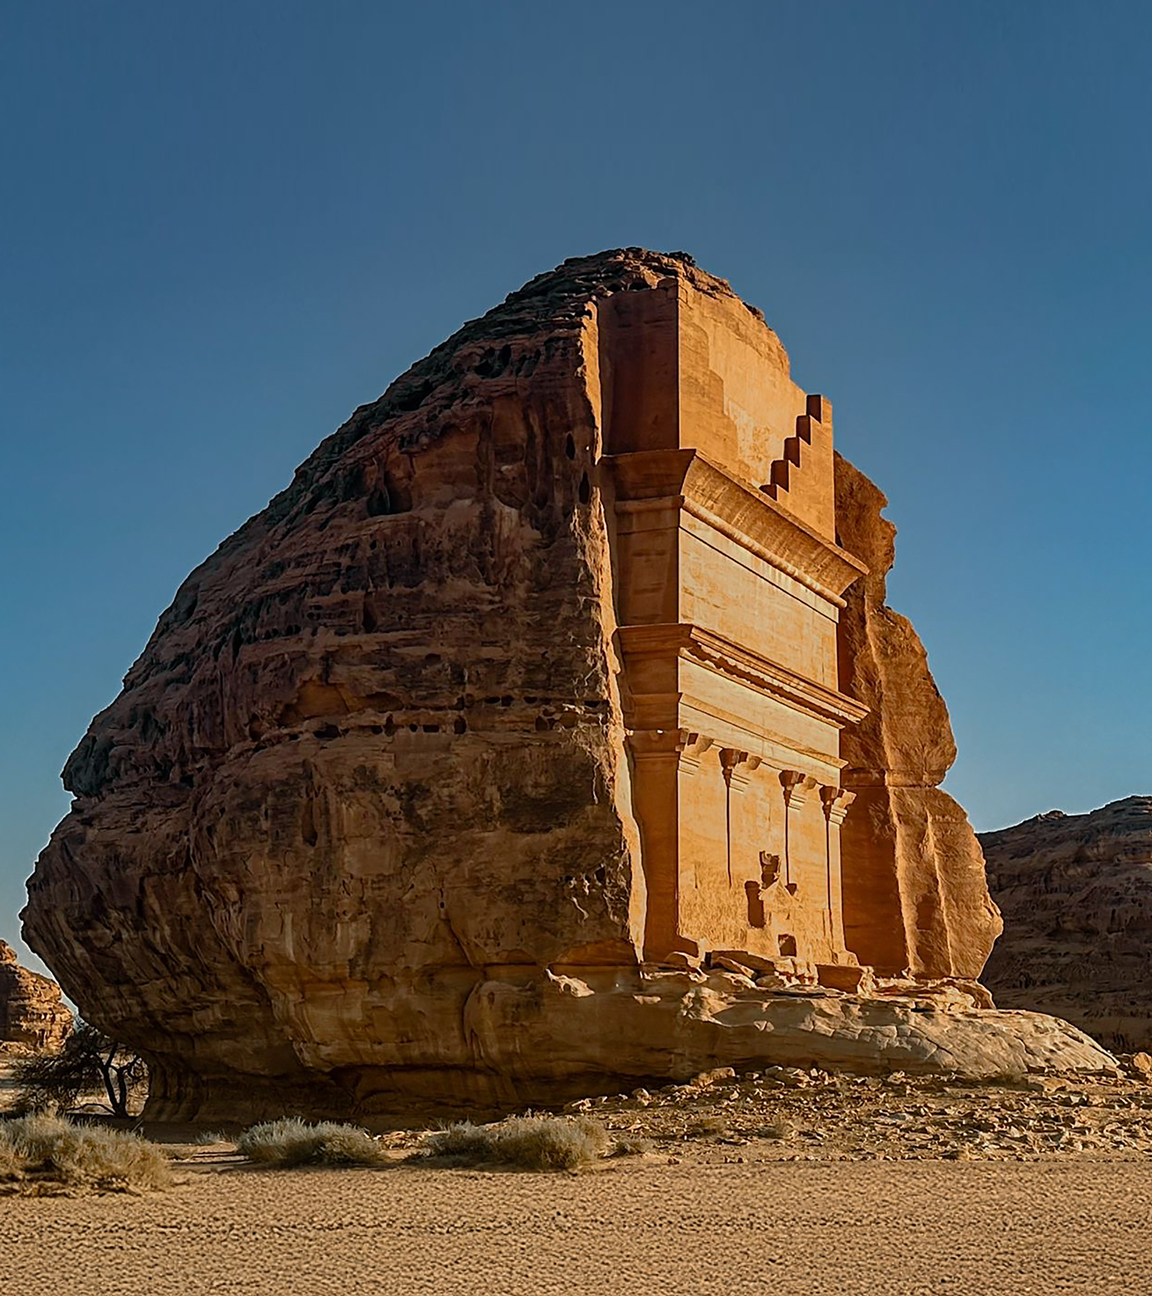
(811,1228)
(781,1183)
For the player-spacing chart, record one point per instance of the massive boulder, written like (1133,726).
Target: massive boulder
(384,816)
(1076,893)
(33,1018)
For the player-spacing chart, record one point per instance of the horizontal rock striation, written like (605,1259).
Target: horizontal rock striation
(1076,894)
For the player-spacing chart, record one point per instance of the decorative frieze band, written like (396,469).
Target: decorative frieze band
(689,748)
(688,480)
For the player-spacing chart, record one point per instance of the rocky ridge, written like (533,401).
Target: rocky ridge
(1076,894)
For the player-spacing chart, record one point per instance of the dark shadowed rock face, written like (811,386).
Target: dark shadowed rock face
(1076,895)
(32,1016)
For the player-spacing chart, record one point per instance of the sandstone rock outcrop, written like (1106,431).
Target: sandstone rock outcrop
(491,761)
(912,848)
(1076,893)
(33,1018)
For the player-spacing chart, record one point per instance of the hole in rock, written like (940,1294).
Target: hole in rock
(755,905)
(389,497)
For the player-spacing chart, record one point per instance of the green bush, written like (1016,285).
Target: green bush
(293,1142)
(530,1142)
(40,1150)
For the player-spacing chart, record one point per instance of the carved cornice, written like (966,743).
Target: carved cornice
(735,508)
(729,658)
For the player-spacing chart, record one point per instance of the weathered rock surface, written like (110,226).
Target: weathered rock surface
(32,1016)
(359,831)
(1076,894)
(912,848)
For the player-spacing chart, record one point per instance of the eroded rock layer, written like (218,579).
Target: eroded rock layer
(32,1016)
(524,690)
(1076,894)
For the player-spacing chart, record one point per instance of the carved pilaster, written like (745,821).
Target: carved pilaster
(797,787)
(692,749)
(661,756)
(836,801)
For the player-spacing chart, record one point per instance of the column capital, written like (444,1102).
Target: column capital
(737,767)
(797,788)
(685,745)
(836,801)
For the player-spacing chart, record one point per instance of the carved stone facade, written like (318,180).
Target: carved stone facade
(719,470)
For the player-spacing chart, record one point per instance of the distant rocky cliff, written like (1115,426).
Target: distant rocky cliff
(1076,895)
(32,1015)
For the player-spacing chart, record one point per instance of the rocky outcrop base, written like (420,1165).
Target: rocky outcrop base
(544,1042)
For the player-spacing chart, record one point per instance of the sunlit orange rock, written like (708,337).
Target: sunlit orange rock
(33,1018)
(508,753)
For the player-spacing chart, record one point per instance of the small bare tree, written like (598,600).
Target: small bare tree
(88,1061)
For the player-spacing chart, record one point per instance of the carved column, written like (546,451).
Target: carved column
(797,787)
(836,802)
(659,758)
(737,767)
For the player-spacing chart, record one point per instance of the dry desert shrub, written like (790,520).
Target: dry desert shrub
(211,1138)
(530,1142)
(11,1165)
(294,1142)
(778,1130)
(38,1151)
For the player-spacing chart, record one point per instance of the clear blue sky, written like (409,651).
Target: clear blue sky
(224,225)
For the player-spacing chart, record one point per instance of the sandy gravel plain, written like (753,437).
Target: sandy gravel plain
(809,1228)
(780,1184)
